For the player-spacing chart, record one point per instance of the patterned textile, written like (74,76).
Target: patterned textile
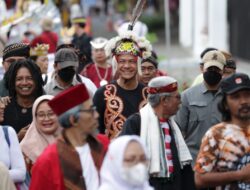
(167,140)
(225,147)
(117,106)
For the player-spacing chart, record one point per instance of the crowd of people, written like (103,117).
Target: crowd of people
(106,118)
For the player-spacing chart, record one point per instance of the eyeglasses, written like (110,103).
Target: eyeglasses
(91,110)
(42,115)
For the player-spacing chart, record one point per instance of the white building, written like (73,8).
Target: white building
(203,23)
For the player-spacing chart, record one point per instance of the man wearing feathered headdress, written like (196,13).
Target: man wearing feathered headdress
(124,96)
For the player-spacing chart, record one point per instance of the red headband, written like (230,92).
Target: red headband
(168,88)
(69,98)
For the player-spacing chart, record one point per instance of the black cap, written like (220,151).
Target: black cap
(234,83)
(207,50)
(152,60)
(230,63)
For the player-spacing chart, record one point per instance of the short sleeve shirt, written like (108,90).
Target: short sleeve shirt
(225,147)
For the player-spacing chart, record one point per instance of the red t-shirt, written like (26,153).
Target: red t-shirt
(90,71)
(50,38)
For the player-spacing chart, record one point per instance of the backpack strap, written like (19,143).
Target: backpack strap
(6,134)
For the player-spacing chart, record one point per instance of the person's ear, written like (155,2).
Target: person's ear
(55,66)
(164,100)
(73,120)
(226,107)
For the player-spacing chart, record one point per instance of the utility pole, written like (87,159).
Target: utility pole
(167,26)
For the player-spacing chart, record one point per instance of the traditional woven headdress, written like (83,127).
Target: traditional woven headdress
(39,50)
(16,49)
(128,43)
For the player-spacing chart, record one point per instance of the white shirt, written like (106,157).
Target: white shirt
(12,156)
(90,173)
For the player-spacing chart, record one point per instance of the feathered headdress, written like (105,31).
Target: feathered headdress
(128,43)
(136,13)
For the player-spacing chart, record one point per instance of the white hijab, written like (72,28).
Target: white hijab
(112,166)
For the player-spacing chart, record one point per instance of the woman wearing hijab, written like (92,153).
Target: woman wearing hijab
(125,165)
(42,131)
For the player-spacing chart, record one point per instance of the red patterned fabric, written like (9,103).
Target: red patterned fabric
(169,88)
(168,152)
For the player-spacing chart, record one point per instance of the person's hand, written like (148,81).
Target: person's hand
(245,173)
(5,100)
(22,133)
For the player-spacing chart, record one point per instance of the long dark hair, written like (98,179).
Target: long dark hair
(223,108)
(35,73)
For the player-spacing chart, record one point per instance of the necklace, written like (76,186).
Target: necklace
(24,109)
(103,80)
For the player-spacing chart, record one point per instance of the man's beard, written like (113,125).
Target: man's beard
(244,113)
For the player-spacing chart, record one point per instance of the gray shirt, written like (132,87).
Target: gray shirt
(53,88)
(198,112)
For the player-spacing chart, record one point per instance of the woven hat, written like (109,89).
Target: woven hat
(16,49)
(40,50)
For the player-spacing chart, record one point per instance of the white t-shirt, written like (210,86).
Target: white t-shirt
(90,173)
(12,156)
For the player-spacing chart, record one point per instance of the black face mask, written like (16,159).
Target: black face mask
(67,74)
(212,77)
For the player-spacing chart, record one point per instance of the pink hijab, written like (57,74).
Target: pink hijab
(34,141)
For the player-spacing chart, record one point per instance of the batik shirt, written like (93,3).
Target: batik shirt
(225,147)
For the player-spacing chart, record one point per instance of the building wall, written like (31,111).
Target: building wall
(203,23)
